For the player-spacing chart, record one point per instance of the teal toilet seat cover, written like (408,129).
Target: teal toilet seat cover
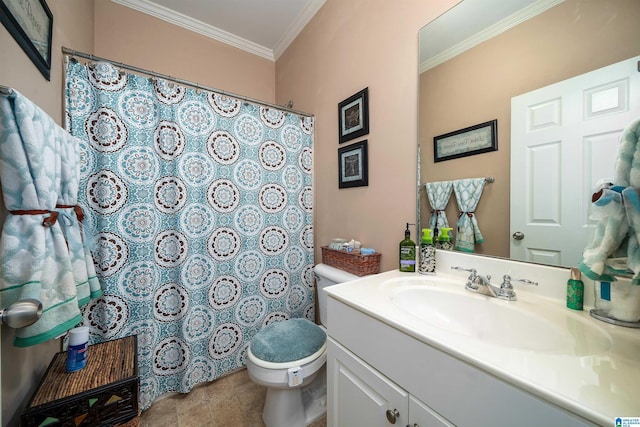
(288,340)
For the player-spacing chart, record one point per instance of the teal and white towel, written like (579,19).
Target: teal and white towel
(39,170)
(611,231)
(468,192)
(631,201)
(627,167)
(70,218)
(438,194)
(617,211)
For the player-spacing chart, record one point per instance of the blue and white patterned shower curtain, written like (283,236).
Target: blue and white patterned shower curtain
(201,208)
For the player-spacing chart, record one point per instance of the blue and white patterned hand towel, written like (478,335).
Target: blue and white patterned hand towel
(438,194)
(468,192)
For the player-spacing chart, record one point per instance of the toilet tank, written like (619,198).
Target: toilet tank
(327,276)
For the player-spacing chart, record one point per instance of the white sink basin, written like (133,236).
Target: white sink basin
(514,324)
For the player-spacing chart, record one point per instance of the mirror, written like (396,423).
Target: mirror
(472,80)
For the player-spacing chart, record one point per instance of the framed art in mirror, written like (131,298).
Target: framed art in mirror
(30,23)
(353,169)
(353,116)
(476,139)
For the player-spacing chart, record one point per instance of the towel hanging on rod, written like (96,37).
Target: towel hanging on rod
(468,192)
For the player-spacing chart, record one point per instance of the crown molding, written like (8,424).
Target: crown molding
(490,32)
(173,17)
(297,26)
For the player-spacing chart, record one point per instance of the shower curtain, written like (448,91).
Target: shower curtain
(201,209)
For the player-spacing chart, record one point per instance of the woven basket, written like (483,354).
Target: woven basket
(354,263)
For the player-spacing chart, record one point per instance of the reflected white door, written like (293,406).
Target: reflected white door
(564,139)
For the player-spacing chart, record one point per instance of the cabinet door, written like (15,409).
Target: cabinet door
(420,415)
(359,396)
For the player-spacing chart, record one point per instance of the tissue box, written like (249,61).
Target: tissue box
(352,262)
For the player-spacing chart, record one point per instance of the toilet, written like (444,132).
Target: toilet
(288,357)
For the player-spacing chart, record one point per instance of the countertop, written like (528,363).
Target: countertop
(595,381)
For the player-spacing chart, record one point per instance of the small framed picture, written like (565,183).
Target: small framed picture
(353,169)
(30,23)
(475,139)
(353,116)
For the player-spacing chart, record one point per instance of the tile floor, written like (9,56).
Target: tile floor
(233,400)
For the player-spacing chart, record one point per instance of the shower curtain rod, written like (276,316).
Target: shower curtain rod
(90,57)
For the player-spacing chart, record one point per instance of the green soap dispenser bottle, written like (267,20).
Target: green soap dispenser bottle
(575,290)
(407,252)
(444,239)
(427,253)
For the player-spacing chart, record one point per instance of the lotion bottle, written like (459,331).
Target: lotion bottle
(407,255)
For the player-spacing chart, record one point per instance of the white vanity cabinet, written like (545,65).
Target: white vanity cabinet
(374,367)
(361,396)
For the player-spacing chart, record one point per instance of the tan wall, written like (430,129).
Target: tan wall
(131,37)
(123,35)
(572,38)
(346,47)
(22,368)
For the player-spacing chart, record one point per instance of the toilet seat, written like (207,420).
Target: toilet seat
(285,365)
(287,343)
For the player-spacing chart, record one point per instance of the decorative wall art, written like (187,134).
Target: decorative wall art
(30,22)
(476,139)
(353,116)
(353,169)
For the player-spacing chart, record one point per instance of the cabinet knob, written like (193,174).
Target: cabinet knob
(392,415)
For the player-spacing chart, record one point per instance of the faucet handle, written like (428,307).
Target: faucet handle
(473,271)
(506,282)
(472,276)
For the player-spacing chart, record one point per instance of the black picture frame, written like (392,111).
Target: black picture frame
(353,168)
(477,139)
(30,23)
(353,116)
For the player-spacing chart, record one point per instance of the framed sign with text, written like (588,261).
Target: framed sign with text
(476,139)
(30,23)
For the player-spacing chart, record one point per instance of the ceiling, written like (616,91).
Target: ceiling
(470,23)
(261,27)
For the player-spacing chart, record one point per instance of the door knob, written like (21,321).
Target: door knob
(392,415)
(518,235)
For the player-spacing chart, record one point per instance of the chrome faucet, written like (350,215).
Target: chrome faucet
(482,284)
(506,288)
